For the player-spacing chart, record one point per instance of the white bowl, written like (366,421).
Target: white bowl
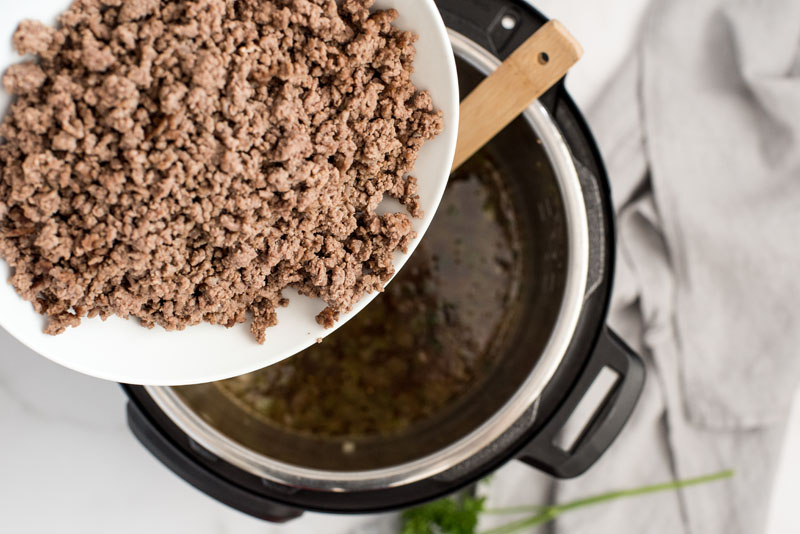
(124,351)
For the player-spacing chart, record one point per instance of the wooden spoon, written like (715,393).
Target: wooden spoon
(523,77)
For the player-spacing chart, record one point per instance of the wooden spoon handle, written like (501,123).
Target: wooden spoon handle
(523,77)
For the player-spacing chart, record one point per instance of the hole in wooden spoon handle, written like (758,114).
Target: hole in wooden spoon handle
(543,58)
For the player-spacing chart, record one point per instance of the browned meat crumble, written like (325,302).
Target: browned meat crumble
(186,161)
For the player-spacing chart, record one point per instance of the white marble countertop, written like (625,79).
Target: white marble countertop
(70,465)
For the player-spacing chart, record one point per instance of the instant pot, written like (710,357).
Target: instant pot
(559,344)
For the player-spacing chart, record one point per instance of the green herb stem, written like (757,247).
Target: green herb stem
(656,488)
(544,515)
(516,510)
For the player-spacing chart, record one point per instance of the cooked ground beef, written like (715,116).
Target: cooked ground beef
(186,161)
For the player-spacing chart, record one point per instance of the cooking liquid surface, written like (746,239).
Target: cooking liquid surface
(422,344)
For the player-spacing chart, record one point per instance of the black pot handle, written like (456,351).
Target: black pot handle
(200,477)
(543,453)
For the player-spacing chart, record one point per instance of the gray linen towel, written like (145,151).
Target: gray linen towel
(721,95)
(701,136)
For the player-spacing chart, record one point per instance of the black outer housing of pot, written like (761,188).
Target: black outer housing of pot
(593,346)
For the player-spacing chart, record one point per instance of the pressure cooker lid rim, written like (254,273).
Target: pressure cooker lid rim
(490,430)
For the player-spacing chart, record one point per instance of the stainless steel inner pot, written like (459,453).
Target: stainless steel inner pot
(553,222)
